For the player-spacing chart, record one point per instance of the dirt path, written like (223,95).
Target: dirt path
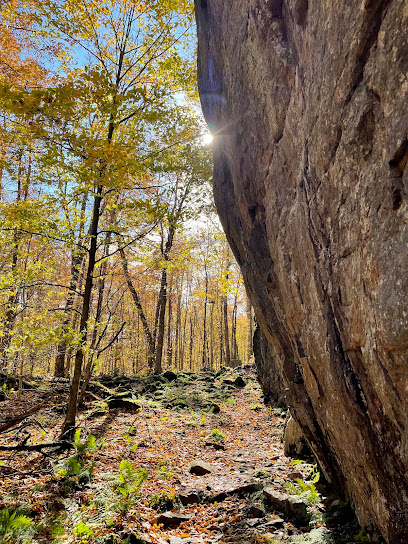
(217,422)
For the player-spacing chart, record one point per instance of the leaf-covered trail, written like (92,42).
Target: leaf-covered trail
(176,426)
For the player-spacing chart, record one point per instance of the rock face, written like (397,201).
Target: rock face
(308,101)
(294,443)
(267,370)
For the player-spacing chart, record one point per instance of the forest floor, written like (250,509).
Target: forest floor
(179,459)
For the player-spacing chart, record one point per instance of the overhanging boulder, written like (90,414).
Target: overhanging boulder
(308,104)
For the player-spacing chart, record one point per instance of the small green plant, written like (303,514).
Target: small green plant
(163,473)
(15,527)
(265,539)
(361,537)
(77,469)
(130,481)
(306,491)
(82,530)
(163,501)
(262,474)
(256,407)
(5,390)
(217,436)
(320,535)
(314,474)
(280,412)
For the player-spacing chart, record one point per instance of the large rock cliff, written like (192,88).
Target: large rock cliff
(267,371)
(309,103)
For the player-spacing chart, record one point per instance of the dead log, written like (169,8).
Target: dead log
(8,424)
(62,444)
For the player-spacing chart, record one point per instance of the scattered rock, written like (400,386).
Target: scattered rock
(190,496)
(171,518)
(133,539)
(239,382)
(217,497)
(199,468)
(295,475)
(275,523)
(170,375)
(246,489)
(123,403)
(255,512)
(151,388)
(215,445)
(177,404)
(335,503)
(262,473)
(292,506)
(214,408)
(253,522)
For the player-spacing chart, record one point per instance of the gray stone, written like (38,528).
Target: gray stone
(123,403)
(255,512)
(246,489)
(239,382)
(190,496)
(171,518)
(253,522)
(295,475)
(287,504)
(170,375)
(199,468)
(294,442)
(275,523)
(215,445)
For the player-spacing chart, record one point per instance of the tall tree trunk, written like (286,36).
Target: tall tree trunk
(226,331)
(98,316)
(221,330)
(234,345)
(69,423)
(146,330)
(11,312)
(191,342)
(205,347)
(162,302)
(136,356)
(12,300)
(212,335)
(169,331)
(77,262)
(178,338)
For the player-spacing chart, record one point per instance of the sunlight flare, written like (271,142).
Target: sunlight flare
(207,138)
